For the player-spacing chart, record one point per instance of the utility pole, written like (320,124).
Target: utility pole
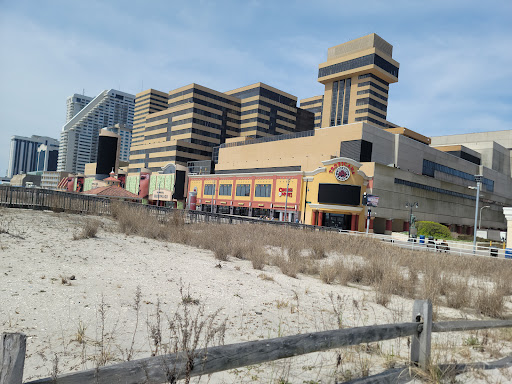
(286,200)
(368,220)
(478,179)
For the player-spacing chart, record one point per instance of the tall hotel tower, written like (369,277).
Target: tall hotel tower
(356,76)
(74,104)
(79,136)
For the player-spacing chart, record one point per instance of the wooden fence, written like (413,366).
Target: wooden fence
(36,198)
(169,368)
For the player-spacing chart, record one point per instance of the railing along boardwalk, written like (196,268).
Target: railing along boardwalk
(172,367)
(44,199)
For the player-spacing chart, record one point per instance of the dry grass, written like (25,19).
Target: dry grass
(445,279)
(89,230)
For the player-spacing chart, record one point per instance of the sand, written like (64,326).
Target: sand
(39,251)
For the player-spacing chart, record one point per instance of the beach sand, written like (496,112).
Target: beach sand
(39,251)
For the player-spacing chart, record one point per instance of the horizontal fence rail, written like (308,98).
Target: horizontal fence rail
(172,367)
(36,198)
(166,368)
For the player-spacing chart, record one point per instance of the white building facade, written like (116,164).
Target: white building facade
(75,104)
(79,136)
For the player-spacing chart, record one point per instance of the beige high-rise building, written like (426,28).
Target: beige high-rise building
(356,76)
(198,119)
(314,104)
(148,101)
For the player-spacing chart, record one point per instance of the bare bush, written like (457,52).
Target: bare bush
(258,258)
(328,273)
(389,270)
(89,230)
(490,302)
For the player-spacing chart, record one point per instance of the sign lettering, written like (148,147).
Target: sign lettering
(342,163)
(282,192)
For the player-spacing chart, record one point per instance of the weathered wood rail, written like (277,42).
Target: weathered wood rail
(36,198)
(172,367)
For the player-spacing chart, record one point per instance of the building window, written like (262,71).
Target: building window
(243,190)
(429,168)
(357,63)
(263,190)
(373,103)
(347,100)
(340,101)
(225,190)
(434,189)
(333,102)
(209,189)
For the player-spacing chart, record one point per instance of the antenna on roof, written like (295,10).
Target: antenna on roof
(83,91)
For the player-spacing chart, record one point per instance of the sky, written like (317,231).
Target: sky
(455,56)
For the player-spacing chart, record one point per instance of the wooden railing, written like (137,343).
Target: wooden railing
(36,198)
(172,367)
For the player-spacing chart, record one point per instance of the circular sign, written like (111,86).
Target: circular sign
(342,173)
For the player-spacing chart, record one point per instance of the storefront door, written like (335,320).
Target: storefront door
(337,220)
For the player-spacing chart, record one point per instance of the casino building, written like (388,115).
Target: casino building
(252,152)
(304,175)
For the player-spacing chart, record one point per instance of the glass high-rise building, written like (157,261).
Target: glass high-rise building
(29,154)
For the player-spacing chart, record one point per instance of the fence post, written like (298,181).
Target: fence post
(12,357)
(420,346)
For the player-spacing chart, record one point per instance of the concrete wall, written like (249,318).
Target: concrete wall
(433,206)
(495,147)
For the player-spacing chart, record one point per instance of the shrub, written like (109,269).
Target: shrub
(328,273)
(431,229)
(88,231)
(490,302)
(258,258)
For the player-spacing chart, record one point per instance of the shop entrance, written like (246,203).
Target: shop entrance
(336,220)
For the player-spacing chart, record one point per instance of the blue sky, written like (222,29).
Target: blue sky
(455,56)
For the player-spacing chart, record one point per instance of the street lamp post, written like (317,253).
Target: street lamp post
(411,206)
(213,195)
(286,200)
(478,179)
(480,219)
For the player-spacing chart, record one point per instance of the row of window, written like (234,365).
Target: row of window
(302,105)
(372,84)
(315,109)
(429,168)
(373,103)
(334,99)
(287,136)
(152,102)
(372,92)
(254,120)
(272,107)
(368,110)
(371,75)
(204,93)
(263,92)
(357,63)
(341,94)
(261,190)
(367,118)
(206,104)
(151,95)
(347,100)
(434,189)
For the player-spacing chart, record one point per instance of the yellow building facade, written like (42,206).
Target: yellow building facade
(330,194)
